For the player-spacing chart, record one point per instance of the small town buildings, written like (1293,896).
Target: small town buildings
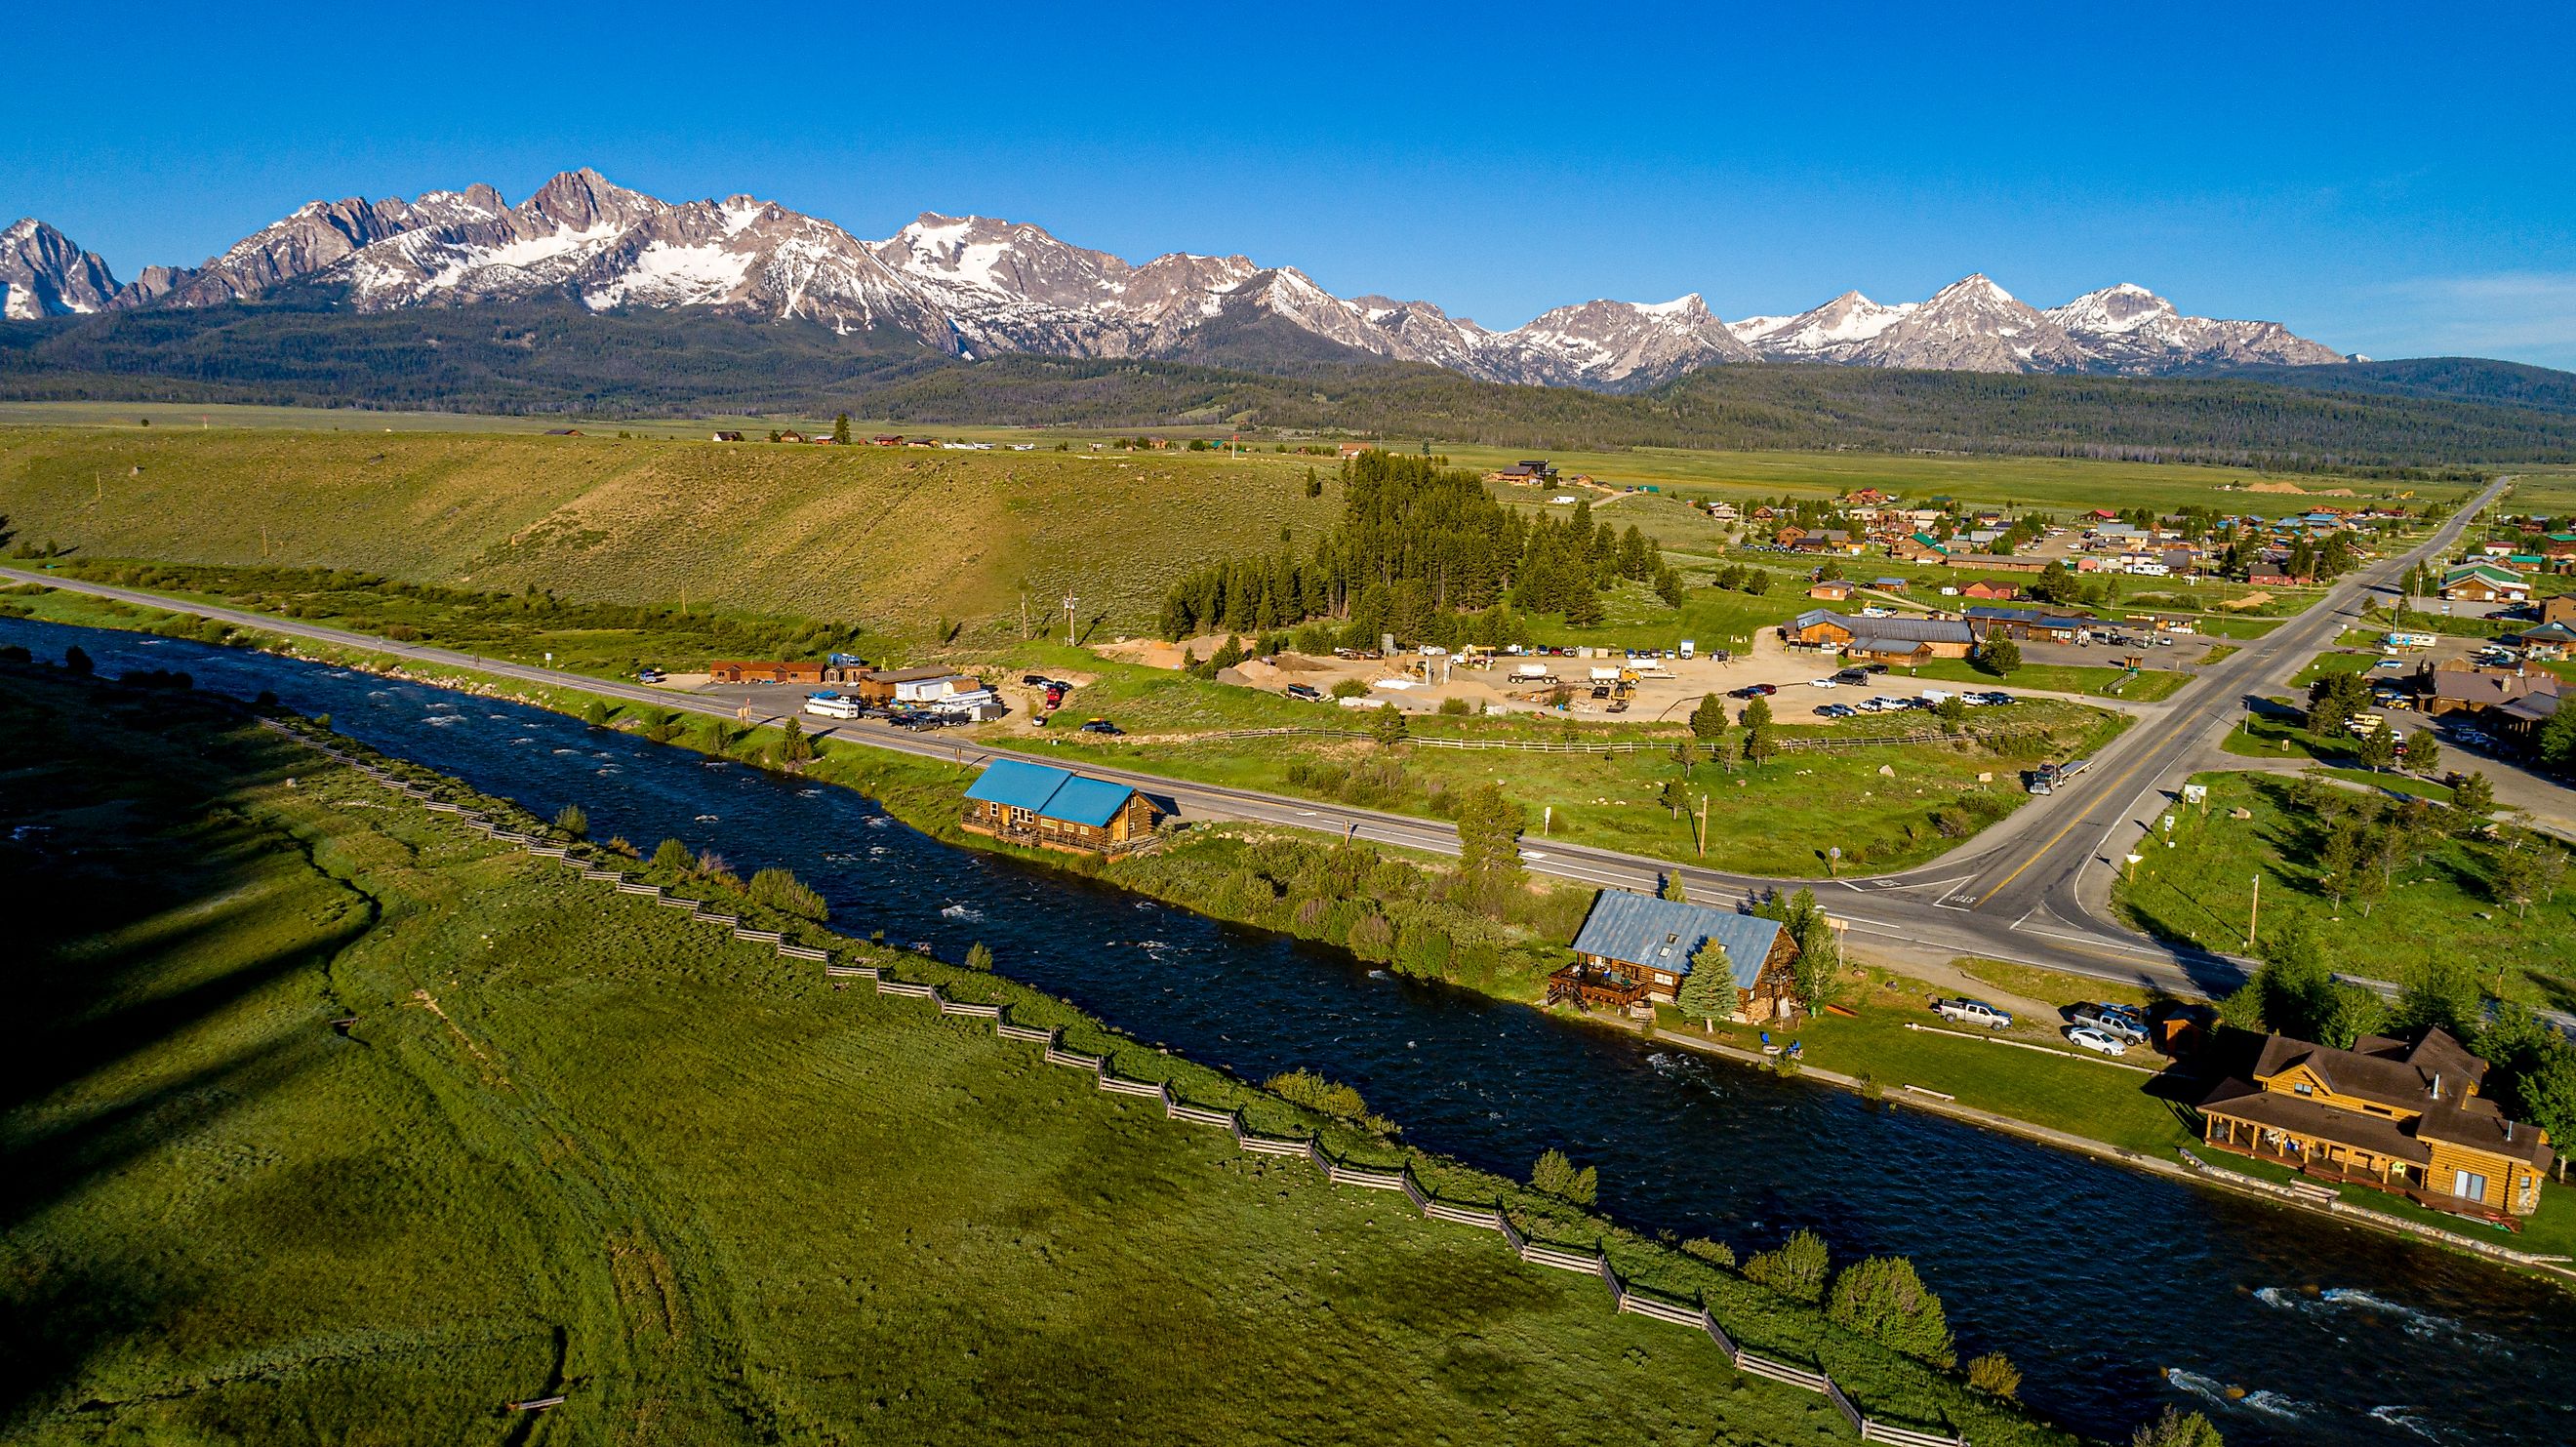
(1635,949)
(1996,563)
(1832,590)
(916,685)
(2402,1115)
(731,671)
(1991,592)
(2484,583)
(2559,609)
(726,437)
(2023,623)
(1818,628)
(1051,808)
(1909,640)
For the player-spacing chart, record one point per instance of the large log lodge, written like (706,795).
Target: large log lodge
(1052,808)
(1634,950)
(2403,1116)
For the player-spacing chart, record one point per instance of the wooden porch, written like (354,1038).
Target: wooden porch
(1595,991)
(2310,1164)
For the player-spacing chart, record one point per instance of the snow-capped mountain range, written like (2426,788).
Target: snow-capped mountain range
(976,287)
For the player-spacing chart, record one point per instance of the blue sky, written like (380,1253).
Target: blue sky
(2391,180)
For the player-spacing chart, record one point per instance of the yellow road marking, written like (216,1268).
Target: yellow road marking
(2042,852)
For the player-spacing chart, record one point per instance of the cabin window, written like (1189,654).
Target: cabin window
(2304,1088)
(2468,1185)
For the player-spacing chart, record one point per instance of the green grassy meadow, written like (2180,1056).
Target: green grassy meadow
(896,539)
(2441,906)
(571,1143)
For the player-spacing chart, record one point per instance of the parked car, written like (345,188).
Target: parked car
(1852,675)
(1822,683)
(2110,1020)
(2085,1037)
(1102,726)
(1754,690)
(1837,710)
(1034,680)
(1305,691)
(1971,1012)
(650,675)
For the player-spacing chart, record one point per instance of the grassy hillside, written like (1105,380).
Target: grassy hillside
(568,1143)
(897,539)
(894,538)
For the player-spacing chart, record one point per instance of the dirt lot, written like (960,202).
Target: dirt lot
(1667,690)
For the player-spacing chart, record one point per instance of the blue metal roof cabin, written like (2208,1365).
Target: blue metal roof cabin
(1050,792)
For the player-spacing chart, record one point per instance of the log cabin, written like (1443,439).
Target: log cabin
(1051,808)
(1634,950)
(2400,1115)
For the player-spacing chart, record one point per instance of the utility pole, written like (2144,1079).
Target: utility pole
(2253,913)
(1070,603)
(1703,826)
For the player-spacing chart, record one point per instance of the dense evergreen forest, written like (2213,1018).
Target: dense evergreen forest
(2367,417)
(1423,552)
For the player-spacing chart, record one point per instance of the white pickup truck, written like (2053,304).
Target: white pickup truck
(1971,1012)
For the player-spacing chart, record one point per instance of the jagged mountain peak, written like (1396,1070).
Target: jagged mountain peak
(980,285)
(43,274)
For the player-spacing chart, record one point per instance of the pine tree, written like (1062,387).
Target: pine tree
(1708,721)
(841,429)
(1708,991)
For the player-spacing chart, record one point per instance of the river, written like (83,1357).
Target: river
(2090,1278)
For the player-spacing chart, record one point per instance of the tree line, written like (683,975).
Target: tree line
(1423,552)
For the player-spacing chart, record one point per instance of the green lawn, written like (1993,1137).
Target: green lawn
(2440,906)
(2086,1097)
(573,1143)
(2144,686)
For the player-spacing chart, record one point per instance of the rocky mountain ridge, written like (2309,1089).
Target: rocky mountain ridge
(977,287)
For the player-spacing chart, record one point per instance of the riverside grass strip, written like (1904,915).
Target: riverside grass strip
(1623,1299)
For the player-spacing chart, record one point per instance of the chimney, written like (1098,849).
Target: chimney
(2508,1130)
(2437,1085)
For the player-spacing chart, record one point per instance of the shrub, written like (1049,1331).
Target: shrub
(1454,707)
(1554,1175)
(1349,688)
(572,820)
(619,844)
(1372,939)
(1994,1373)
(1423,951)
(977,956)
(1796,1268)
(1884,1298)
(1715,1253)
(2178,1428)
(597,713)
(783,891)
(1327,1097)
(673,855)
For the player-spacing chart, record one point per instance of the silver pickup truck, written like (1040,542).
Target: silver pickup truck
(1971,1012)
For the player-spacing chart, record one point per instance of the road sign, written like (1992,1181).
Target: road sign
(2194,793)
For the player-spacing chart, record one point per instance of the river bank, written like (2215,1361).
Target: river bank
(1217,871)
(743,1127)
(2027,1244)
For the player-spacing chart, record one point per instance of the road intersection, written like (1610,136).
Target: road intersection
(2033,889)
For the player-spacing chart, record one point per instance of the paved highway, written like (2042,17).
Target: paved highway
(2032,889)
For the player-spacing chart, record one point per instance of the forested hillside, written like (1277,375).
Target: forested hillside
(560,359)
(1424,552)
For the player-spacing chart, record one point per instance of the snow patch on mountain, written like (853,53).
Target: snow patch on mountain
(978,286)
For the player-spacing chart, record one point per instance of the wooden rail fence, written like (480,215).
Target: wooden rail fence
(1789,743)
(1595,1262)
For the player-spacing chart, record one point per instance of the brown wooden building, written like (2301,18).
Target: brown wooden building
(1051,808)
(2398,1115)
(1635,949)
